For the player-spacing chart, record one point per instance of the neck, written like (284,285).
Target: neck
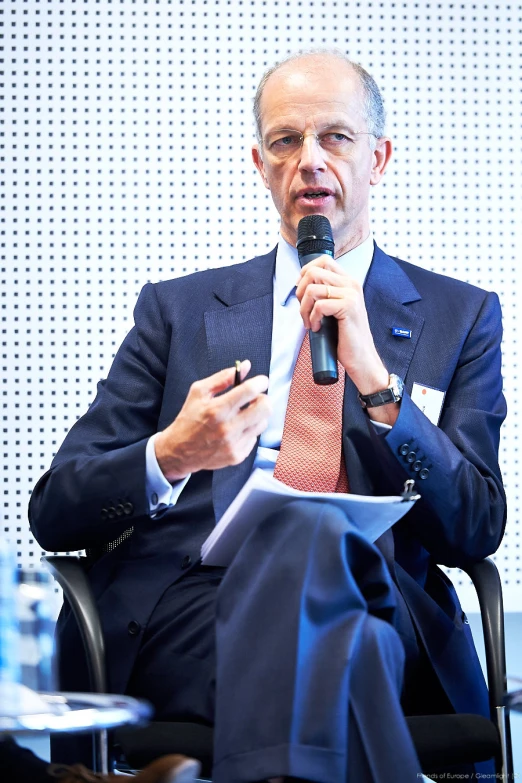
(351,242)
(350,238)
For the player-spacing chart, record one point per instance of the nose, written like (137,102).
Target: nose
(312,156)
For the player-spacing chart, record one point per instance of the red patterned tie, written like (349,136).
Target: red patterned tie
(311,457)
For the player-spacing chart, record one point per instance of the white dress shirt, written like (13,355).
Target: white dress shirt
(287,335)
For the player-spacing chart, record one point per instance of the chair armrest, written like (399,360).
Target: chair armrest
(486,580)
(70,574)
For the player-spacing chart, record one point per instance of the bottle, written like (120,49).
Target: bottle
(37,611)
(9,626)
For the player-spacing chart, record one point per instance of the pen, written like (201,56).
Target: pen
(237,377)
(237,381)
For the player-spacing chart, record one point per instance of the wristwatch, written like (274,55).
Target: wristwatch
(393,393)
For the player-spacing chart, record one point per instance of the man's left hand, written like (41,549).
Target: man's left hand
(326,289)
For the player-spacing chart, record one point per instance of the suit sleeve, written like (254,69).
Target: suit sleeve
(462,514)
(95,488)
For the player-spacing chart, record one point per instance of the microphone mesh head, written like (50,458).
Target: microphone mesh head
(314,235)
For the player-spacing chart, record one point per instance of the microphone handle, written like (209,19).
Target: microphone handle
(323,343)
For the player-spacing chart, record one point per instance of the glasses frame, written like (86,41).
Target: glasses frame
(303,136)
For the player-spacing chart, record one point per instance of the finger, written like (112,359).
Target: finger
(322,262)
(246,426)
(329,297)
(251,420)
(259,409)
(326,307)
(245,393)
(221,380)
(320,276)
(245,368)
(254,420)
(216,383)
(317,291)
(256,429)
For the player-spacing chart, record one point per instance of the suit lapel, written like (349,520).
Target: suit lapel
(388,291)
(240,328)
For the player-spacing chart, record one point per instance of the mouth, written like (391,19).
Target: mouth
(314,195)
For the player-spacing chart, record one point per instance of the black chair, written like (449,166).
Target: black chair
(440,740)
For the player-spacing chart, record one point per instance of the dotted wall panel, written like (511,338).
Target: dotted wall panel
(125,157)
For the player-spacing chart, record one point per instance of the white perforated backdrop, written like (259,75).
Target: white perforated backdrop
(125,158)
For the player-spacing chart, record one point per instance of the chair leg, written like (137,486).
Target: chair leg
(506,761)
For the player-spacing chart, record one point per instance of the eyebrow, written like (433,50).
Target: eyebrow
(322,129)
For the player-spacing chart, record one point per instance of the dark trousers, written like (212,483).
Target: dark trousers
(298,634)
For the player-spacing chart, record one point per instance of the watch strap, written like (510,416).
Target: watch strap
(392,394)
(379,398)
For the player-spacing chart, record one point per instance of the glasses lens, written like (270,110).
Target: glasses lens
(337,142)
(284,142)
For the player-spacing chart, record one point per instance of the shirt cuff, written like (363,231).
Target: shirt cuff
(380,427)
(161,494)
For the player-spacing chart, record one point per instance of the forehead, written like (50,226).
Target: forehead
(313,92)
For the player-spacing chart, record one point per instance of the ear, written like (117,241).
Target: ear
(381,157)
(259,164)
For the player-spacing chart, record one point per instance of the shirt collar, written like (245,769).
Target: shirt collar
(356,262)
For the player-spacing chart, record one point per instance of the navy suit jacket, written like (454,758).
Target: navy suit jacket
(188,328)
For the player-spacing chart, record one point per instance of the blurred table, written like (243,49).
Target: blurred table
(68,712)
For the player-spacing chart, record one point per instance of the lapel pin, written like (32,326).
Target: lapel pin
(398,332)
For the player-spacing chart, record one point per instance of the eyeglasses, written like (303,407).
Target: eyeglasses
(285,142)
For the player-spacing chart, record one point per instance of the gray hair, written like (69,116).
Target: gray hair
(374,112)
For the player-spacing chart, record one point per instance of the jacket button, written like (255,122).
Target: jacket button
(186,562)
(133,628)
(411,457)
(104,513)
(424,473)
(119,510)
(128,508)
(404,449)
(111,512)
(416,466)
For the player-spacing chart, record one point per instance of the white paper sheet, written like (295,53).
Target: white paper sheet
(263,494)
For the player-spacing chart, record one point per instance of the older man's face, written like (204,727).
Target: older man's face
(319,97)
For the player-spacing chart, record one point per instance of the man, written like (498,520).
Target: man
(297,652)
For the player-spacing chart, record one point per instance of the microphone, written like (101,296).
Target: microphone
(314,239)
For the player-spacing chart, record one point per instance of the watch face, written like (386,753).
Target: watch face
(396,385)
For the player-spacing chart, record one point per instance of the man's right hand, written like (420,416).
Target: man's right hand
(212,431)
